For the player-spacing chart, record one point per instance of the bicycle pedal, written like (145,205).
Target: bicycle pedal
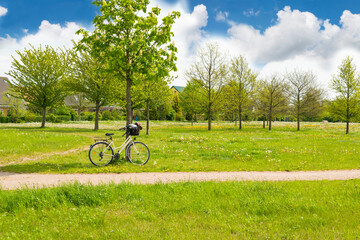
(117,156)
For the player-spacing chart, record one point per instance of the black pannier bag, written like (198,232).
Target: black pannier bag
(133,129)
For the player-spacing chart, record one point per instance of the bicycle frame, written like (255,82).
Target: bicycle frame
(123,145)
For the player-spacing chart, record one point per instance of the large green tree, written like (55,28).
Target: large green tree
(347,86)
(304,94)
(91,79)
(272,99)
(151,93)
(132,41)
(241,85)
(37,76)
(190,99)
(209,71)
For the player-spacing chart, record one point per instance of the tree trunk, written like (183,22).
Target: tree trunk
(97,109)
(209,116)
(240,118)
(128,101)
(147,117)
(192,119)
(43,117)
(347,119)
(264,123)
(298,122)
(270,119)
(79,114)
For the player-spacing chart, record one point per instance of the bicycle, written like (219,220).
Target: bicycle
(101,153)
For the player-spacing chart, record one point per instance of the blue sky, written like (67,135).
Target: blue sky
(26,14)
(274,35)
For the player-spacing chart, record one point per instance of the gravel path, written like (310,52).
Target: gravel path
(18,180)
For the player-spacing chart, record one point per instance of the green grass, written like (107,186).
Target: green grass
(246,210)
(182,147)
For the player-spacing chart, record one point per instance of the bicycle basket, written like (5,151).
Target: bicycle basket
(133,129)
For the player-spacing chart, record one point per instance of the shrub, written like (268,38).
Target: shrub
(52,118)
(29,116)
(116,115)
(106,115)
(179,117)
(63,110)
(90,117)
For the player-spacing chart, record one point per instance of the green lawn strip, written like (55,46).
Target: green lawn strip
(245,210)
(20,143)
(182,147)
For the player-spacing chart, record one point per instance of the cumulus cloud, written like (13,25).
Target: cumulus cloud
(47,34)
(298,40)
(3,11)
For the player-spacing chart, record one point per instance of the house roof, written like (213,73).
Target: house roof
(4,87)
(178,88)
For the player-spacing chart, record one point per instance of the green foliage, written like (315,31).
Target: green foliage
(129,40)
(37,77)
(272,100)
(63,110)
(191,99)
(92,81)
(209,71)
(106,115)
(29,116)
(239,90)
(175,104)
(347,86)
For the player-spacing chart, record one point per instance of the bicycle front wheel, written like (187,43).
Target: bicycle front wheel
(101,154)
(138,153)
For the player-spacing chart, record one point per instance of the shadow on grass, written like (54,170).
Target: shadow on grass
(78,167)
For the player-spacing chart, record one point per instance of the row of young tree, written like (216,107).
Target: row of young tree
(125,61)
(235,89)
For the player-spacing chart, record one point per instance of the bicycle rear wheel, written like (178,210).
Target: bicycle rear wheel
(138,153)
(101,154)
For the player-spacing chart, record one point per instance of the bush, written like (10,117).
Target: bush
(29,116)
(54,119)
(90,117)
(106,115)
(116,115)
(179,117)
(4,119)
(171,115)
(63,110)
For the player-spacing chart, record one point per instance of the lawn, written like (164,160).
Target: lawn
(178,146)
(208,210)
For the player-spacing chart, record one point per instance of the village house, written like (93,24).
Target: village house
(4,107)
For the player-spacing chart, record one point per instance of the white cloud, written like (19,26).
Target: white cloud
(221,16)
(296,40)
(47,34)
(251,13)
(3,11)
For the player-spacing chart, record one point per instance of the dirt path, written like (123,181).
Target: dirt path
(44,155)
(16,180)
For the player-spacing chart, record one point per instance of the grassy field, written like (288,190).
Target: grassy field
(247,210)
(182,147)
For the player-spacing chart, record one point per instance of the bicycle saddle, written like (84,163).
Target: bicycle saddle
(109,134)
